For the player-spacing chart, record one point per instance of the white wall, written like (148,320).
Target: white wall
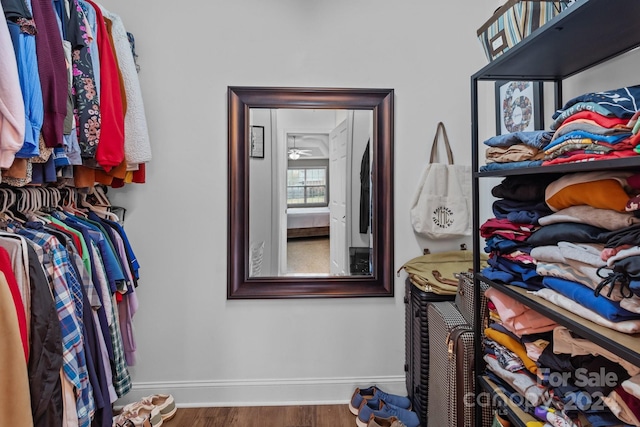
(194,343)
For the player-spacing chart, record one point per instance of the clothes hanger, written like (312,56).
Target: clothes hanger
(41,200)
(56,198)
(6,200)
(70,206)
(11,199)
(26,203)
(100,194)
(100,212)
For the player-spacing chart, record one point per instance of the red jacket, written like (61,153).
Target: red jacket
(110,151)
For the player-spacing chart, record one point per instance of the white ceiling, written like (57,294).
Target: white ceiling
(317,143)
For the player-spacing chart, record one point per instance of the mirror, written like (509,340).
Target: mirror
(310,166)
(309,192)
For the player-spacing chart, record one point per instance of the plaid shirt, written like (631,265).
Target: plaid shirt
(67,291)
(121,378)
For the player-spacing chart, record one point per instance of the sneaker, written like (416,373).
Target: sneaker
(384,410)
(165,404)
(140,415)
(374,393)
(384,422)
(132,422)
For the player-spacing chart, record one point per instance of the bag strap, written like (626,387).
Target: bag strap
(434,146)
(440,278)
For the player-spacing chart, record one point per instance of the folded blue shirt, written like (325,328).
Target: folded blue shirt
(622,102)
(536,139)
(580,134)
(503,245)
(520,212)
(510,165)
(585,296)
(496,274)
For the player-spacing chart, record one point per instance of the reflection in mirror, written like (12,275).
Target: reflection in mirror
(314,179)
(310,192)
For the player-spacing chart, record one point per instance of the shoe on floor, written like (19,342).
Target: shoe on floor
(384,410)
(164,402)
(374,393)
(140,415)
(132,422)
(384,422)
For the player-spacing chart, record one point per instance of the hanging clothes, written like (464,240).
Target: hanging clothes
(68,295)
(45,360)
(110,152)
(77,86)
(85,93)
(365,190)
(12,115)
(14,385)
(52,70)
(136,136)
(5,268)
(81,326)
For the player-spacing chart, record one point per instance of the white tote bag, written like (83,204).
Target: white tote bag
(441,207)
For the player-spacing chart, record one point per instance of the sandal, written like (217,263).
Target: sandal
(165,403)
(139,416)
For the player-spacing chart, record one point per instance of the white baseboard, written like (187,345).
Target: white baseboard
(270,392)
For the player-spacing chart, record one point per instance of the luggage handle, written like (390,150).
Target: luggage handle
(453,335)
(460,288)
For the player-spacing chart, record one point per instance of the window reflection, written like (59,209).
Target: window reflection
(306,187)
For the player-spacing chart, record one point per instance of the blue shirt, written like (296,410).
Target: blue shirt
(24,46)
(112,267)
(623,102)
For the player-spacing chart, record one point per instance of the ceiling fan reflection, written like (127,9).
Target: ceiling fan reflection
(295,153)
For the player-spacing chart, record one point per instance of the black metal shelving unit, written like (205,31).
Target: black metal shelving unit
(588,33)
(518,416)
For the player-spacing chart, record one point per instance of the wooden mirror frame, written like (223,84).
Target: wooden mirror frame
(380,283)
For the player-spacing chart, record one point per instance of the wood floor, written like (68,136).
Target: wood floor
(264,416)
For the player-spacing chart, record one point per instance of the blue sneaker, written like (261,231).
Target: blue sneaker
(375,394)
(384,410)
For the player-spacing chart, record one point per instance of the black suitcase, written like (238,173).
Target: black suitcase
(417,346)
